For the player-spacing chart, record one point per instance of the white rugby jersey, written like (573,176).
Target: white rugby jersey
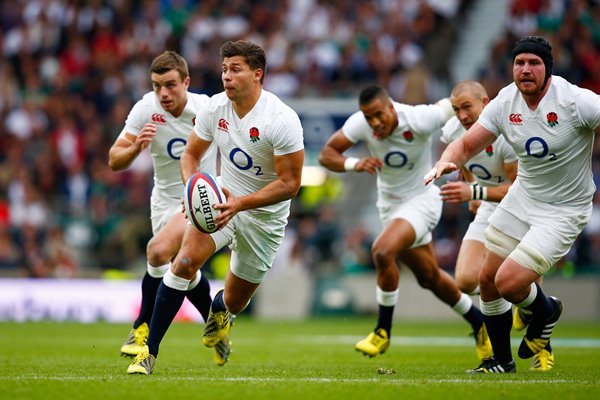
(406,153)
(487,167)
(553,143)
(247,146)
(170,140)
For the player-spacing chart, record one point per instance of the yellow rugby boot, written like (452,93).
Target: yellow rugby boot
(136,341)
(143,363)
(542,361)
(376,343)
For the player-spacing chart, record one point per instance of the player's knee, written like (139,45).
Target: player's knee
(531,258)
(466,286)
(499,242)
(382,256)
(157,253)
(185,267)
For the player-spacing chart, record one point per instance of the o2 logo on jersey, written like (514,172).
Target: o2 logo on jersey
(175,148)
(538,148)
(482,173)
(243,161)
(397,159)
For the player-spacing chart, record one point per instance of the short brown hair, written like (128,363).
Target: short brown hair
(168,61)
(253,54)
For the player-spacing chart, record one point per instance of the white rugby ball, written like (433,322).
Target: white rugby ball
(201,192)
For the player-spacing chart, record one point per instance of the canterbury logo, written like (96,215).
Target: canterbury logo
(159,119)
(515,119)
(223,125)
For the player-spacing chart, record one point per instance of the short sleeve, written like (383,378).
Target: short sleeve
(487,118)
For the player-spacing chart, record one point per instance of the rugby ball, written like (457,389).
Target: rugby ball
(201,192)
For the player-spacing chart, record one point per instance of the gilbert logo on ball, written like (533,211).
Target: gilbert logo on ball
(202,192)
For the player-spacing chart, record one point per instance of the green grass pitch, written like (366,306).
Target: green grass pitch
(312,359)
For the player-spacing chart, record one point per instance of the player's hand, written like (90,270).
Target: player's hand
(228,209)
(440,168)
(455,192)
(369,164)
(146,136)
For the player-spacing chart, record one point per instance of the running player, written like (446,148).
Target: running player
(550,124)
(260,140)
(399,138)
(161,121)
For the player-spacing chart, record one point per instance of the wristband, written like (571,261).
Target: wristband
(350,163)
(478,192)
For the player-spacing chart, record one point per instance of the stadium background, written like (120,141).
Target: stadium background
(71,70)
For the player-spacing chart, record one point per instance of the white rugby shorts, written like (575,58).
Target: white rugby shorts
(548,228)
(254,242)
(162,209)
(480,222)
(422,211)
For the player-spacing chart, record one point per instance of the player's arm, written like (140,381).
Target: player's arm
(460,151)
(289,175)
(332,156)
(497,193)
(460,192)
(128,146)
(192,154)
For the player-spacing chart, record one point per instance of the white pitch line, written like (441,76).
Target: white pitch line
(385,379)
(441,341)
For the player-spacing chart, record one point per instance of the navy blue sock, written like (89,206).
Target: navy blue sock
(475,318)
(498,328)
(149,289)
(384,319)
(168,302)
(541,308)
(218,304)
(200,297)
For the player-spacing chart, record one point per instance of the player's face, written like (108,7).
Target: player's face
(171,90)
(529,73)
(381,117)
(238,78)
(467,107)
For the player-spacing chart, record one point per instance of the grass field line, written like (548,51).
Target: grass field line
(384,379)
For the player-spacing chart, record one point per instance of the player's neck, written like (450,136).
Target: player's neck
(244,105)
(533,100)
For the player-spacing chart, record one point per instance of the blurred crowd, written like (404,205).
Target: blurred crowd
(71,70)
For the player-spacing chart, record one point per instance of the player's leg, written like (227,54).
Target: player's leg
(421,260)
(470,256)
(468,265)
(397,236)
(517,283)
(497,312)
(255,243)
(161,249)
(196,248)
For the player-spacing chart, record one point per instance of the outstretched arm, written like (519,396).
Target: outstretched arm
(460,151)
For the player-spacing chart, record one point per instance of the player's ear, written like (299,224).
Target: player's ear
(485,100)
(258,74)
